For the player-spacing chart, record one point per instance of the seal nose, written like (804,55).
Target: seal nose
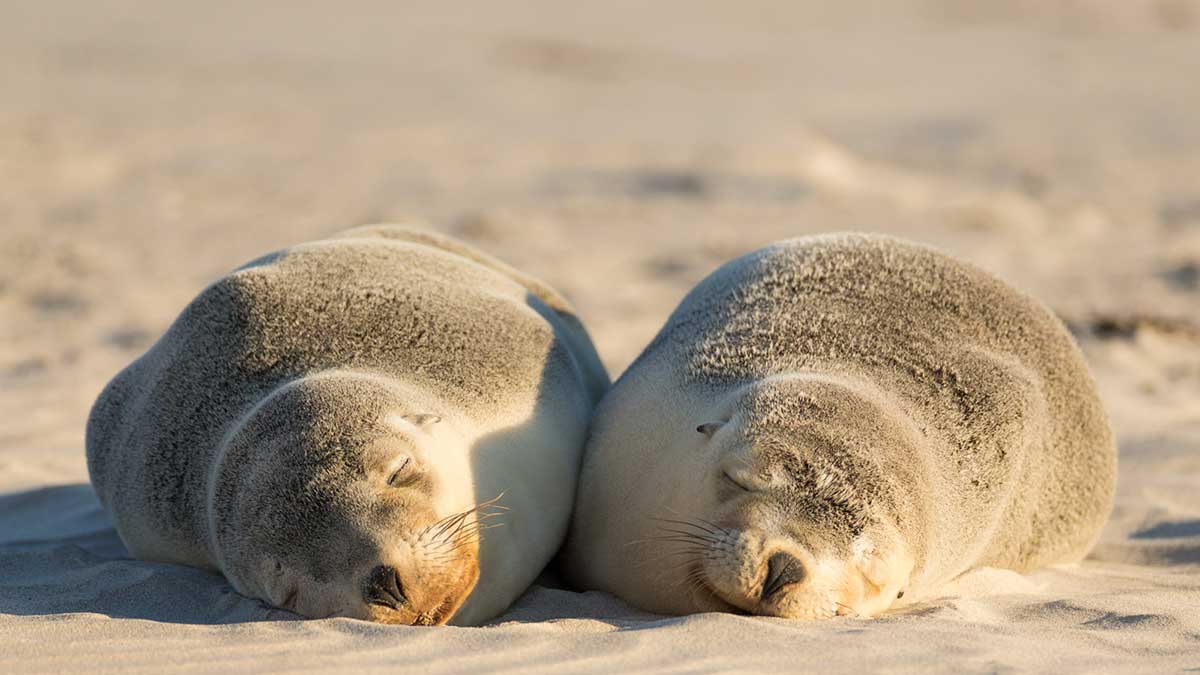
(783,570)
(383,587)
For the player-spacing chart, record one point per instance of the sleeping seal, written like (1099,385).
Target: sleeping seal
(831,423)
(330,425)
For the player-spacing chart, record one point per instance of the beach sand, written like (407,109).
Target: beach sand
(621,152)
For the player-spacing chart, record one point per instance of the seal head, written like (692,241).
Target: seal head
(794,517)
(324,501)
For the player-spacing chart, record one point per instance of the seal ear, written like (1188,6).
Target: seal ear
(710,428)
(422,420)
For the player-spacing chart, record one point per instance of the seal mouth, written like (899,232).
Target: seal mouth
(783,587)
(443,613)
(406,615)
(388,601)
(709,595)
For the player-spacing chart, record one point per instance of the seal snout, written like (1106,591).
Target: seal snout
(783,570)
(383,587)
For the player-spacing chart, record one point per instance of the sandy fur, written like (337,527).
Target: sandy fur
(968,428)
(500,356)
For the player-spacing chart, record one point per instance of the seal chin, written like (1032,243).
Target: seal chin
(864,585)
(784,598)
(437,615)
(706,598)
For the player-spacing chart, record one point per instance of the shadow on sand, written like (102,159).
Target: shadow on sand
(60,554)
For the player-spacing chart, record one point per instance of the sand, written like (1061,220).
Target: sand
(620,151)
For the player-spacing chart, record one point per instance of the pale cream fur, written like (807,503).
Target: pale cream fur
(344,406)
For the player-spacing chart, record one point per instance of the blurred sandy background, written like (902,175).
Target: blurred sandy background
(620,151)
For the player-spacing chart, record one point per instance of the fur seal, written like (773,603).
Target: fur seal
(831,423)
(329,425)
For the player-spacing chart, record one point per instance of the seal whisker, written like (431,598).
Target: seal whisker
(848,608)
(457,529)
(440,525)
(711,530)
(693,581)
(723,530)
(474,531)
(471,530)
(684,563)
(691,552)
(684,540)
(697,519)
(461,545)
(656,539)
(686,533)
(689,535)
(687,578)
(488,526)
(453,522)
(457,519)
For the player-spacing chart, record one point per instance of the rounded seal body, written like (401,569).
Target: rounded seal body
(330,426)
(832,423)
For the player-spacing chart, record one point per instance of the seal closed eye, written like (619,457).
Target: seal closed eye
(875,418)
(330,425)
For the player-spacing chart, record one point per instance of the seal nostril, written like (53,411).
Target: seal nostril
(782,570)
(383,587)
